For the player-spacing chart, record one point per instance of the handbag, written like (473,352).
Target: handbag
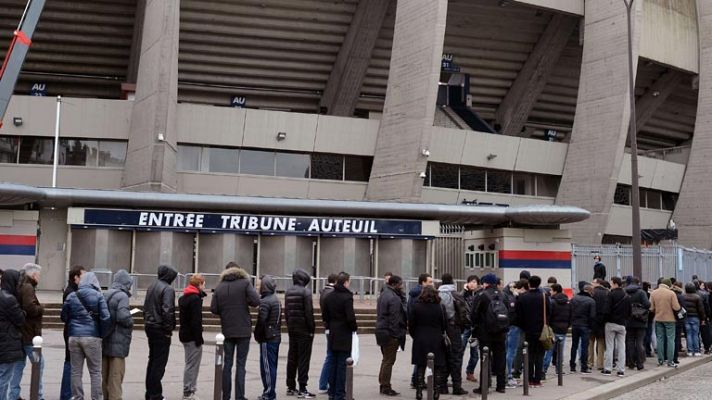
(547,334)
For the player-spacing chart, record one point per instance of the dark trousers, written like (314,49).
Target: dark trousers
(237,348)
(159,344)
(580,336)
(389,352)
(498,357)
(269,352)
(706,335)
(298,358)
(635,347)
(649,339)
(337,377)
(454,357)
(536,359)
(679,327)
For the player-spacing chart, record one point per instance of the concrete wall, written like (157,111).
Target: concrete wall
(654,174)
(669,33)
(344,254)
(403,257)
(67,176)
(282,255)
(454,196)
(620,217)
(101,249)
(162,248)
(568,6)
(216,250)
(52,248)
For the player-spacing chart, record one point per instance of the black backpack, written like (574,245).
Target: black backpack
(462,310)
(497,316)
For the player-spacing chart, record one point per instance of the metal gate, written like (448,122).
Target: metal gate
(449,252)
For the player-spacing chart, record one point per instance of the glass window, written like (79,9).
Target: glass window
(622,195)
(499,182)
(669,200)
(547,185)
(426,180)
(654,199)
(78,152)
(36,150)
(358,168)
(257,162)
(641,197)
(8,149)
(189,158)
(327,166)
(524,184)
(444,175)
(112,153)
(222,159)
(472,178)
(293,165)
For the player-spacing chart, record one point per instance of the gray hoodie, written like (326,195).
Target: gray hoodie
(118,342)
(445,292)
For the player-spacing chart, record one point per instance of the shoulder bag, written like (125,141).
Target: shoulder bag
(547,334)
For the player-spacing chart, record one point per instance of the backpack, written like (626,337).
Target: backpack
(462,311)
(639,313)
(497,315)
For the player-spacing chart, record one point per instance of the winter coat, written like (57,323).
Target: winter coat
(27,297)
(663,302)
(705,296)
(190,311)
(530,312)
(118,342)
(85,310)
(159,308)
(12,318)
(299,306)
(269,317)
(600,295)
(694,306)
(340,319)
(599,271)
(427,324)
(561,313)
(478,314)
(618,307)
(231,299)
(413,295)
(445,292)
(637,296)
(391,317)
(583,309)
(325,291)
(71,287)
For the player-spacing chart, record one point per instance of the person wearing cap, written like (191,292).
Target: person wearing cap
(583,313)
(664,304)
(495,341)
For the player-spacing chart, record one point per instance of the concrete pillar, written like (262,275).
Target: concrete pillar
(52,248)
(350,255)
(411,96)
(162,248)
(404,257)
(602,116)
(102,249)
(693,213)
(216,250)
(282,255)
(151,158)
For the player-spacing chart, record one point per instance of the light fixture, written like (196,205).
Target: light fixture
(281,136)
(426,152)
(161,137)
(422,175)
(656,93)
(491,157)
(17,121)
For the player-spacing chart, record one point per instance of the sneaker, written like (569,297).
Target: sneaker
(323,391)
(510,386)
(500,390)
(698,355)
(672,365)
(586,371)
(620,374)
(606,372)
(512,383)
(291,392)
(305,395)
(573,370)
(459,391)
(389,392)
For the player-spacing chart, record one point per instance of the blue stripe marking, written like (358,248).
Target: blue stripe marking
(13,250)
(551,264)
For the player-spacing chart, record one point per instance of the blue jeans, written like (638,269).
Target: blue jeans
(337,378)
(237,348)
(65,391)
(580,336)
(550,353)
(6,373)
(269,352)
(474,354)
(326,370)
(17,374)
(692,330)
(512,347)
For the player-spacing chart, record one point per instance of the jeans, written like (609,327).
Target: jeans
(193,356)
(298,359)
(89,349)
(6,371)
(549,355)
(326,370)
(17,374)
(665,334)
(269,353)
(474,354)
(159,345)
(512,347)
(389,352)
(237,347)
(337,378)
(615,339)
(635,347)
(579,341)
(692,332)
(65,391)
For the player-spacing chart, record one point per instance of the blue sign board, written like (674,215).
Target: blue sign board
(38,89)
(238,101)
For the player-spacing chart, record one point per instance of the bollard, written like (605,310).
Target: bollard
(219,361)
(559,361)
(485,372)
(525,373)
(36,360)
(349,378)
(430,371)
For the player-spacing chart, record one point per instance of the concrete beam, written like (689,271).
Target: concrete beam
(135,55)
(655,96)
(514,110)
(344,85)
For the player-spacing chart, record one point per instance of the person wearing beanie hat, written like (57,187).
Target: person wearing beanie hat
(490,279)
(525,274)
(664,304)
(667,282)
(490,335)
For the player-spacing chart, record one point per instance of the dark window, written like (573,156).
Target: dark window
(292,165)
(622,195)
(257,162)
(547,185)
(472,178)
(524,184)
(426,180)
(8,149)
(327,166)
(444,175)
(358,168)
(499,182)
(654,199)
(112,153)
(669,200)
(222,159)
(78,152)
(641,197)
(189,158)
(36,150)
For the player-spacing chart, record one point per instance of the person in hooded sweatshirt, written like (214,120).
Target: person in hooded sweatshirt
(190,306)
(299,315)
(88,317)
(268,333)
(75,276)
(117,344)
(12,317)
(448,292)
(695,315)
(583,313)
(159,315)
(636,326)
(561,315)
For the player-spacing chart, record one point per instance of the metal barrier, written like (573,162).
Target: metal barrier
(36,360)
(485,373)
(349,378)
(560,361)
(525,372)
(430,380)
(217,385)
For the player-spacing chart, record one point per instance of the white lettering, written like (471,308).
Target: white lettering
(266,223)
(234,222)
(143,219)
(178,220)
(280,224)
(373,227)
(224,218)
(199,220)
(347,225)
(357,226)
(253,224)
(324,227)
(155,219)
(314,225)
(190,220)
(292,224)
(337,225)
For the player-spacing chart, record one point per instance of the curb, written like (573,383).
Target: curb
(622,386)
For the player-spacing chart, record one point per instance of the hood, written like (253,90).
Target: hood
(267,285)
(122,281)
(89,280)
(300,278)
(415,291)
(10,279)
(190,289)
(560,298)
(233,274)
(583,293)
(167,274)
(630,289)
(677,289)
(447,288)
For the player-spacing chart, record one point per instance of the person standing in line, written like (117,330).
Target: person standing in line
(88,317)
(491,327)
(650,327)
(340,320)
(427,324)
(533,311)
(597,341)
(680,323)
(190,334)
(299,316)
(457,316)
(75,275)
(159,322)
(695,316)
(583,313)
(326,368)
(391,324)
(12,317)
(514,334)
(231,299)
(116,345)
(561,316)
(27,297)
(636,326)
(664,304)
(268,333)
(599,269)
(704,324)
(617,314)
(423,280)
(469,293)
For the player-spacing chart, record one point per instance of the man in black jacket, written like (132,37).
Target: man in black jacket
(472,289)
(390,329)
(583,309)
(597,340)
(326,368)
(268,333)
(617,314)
(560,319)
(231,299)
(299,315)
(340,321)
(636,326)
(75,275)
(599,269)
(531,307)
(159,322)
(11,320)
(423,280)
(488,334)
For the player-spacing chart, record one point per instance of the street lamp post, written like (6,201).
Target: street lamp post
(633,135)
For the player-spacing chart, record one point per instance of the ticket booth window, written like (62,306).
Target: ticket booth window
(481,259)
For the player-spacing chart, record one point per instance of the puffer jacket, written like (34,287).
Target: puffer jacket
(637,296)
(583,310)
(325,291)
(600,296)
(694,306)
(298,305)
(190,307)
(27,297)
(230,301)
(561,313)
(391,317)
(445,292)
(118,342)
(269,317)
(159,308)
(90,321)
(12,317)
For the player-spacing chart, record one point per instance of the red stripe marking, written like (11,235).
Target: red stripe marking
(22,38)
(18,240)
(534,255)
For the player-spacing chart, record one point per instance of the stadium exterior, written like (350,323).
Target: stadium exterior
(354,103)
